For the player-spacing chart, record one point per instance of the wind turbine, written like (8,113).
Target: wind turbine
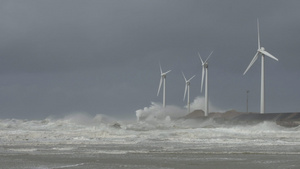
(163,80)
(261,51)
(205,73)
(187,89)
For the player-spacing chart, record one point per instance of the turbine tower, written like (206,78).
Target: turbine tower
(261,51)
(205,73)
(187,89)
(163,80)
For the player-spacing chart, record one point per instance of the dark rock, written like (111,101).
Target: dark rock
(195,114)
(116,125)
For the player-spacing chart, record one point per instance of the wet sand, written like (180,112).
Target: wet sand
(151,160)
(149,157)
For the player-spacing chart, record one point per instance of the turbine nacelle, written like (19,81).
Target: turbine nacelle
(164,75)
(205,65)
(261,50)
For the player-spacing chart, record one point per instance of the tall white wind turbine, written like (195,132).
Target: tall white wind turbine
(261,51)
(187,89)
(163,80)
(205,73)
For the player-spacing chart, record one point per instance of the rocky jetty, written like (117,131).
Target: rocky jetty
(234,117)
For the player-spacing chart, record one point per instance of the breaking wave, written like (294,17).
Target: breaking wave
(162,126)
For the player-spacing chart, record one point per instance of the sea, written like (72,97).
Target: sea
(84,141)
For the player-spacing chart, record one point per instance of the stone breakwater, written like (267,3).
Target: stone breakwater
(234,117)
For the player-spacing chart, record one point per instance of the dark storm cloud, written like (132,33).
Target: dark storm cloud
(102,56)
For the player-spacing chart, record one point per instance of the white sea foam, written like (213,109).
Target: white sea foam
(72,130)
(63,148)
(23,149)
(70,166)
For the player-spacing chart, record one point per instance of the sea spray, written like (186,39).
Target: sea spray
(156,112)
(199,102)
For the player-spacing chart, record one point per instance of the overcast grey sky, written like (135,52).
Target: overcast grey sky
(101,57)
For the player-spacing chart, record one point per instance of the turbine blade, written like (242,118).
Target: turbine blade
(268,54)
(167,72)
(184,77)
(208,56)
(203,71)
(251,63)
(200,58)
(258,36)
(160,68)
(185,92)
(191,78)
(160,83)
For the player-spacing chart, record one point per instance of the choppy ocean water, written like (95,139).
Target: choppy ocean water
(84,142)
